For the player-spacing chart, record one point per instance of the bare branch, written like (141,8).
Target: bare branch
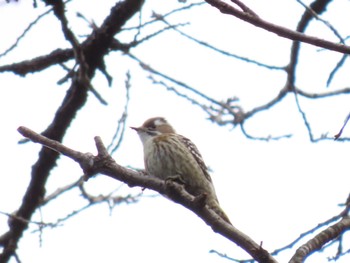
(279,30)
(337,136)
(56,146)
(317,7)
(223,52)
(333,219)
(266,139)
(119,134)
(95,47)
(323,94)
(157,16)
(182,84)
(320,240)
(104,164)
(244,8)
(315,14)
(14,45)
(60,191)
(336,69)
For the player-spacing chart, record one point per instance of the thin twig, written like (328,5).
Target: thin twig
(119,134)
(337,136)
(223,52)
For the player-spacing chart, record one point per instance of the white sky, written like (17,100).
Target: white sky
(271,191)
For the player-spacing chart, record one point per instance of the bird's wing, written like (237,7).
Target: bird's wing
(197,156)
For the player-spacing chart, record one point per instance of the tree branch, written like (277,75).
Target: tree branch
(104,164)
(94,48)
(255,20)
(320,240)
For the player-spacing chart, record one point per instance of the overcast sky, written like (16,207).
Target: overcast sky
(272,191)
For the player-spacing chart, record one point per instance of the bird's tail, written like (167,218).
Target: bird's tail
(213,204)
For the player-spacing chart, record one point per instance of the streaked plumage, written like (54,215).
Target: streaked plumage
(170,155)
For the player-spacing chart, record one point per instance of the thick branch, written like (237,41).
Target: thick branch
(39,63)
(320,240)
(104,164)
(279,30)
(94,48)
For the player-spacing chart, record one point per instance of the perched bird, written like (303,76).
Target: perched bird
(169,155)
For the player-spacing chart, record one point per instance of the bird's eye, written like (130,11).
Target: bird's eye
(152,126)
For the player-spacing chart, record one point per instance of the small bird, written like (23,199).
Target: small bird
(168,155)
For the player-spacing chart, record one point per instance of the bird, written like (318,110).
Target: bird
(168,155)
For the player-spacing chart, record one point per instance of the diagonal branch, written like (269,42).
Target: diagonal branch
(104,164)
(226,8)
(320,240)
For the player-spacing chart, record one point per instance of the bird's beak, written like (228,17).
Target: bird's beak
(135,128)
